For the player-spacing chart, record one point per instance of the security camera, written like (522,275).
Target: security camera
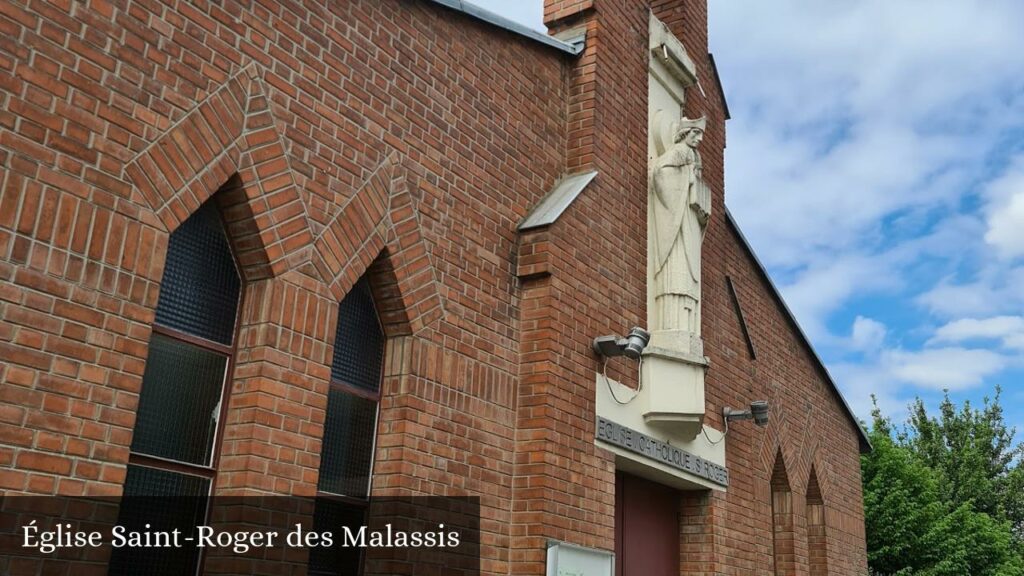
(758,412)
(631,346)
(636,342)
(759,409)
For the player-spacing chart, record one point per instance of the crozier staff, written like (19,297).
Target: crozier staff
(680,204)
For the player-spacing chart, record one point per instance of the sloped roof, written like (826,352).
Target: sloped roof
(865,443)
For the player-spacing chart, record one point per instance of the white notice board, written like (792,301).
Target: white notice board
(571,560)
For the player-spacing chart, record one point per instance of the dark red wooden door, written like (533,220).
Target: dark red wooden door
(646,528)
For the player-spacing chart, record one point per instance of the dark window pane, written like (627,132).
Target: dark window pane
(181,389)
(166,501)
(347,451)
(359,341)
(199,290)
(332,516)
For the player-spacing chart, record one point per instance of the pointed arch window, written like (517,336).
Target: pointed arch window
(350,427)
(175,444)
(783,541)
(817,539)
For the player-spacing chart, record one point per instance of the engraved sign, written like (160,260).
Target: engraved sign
(640,443)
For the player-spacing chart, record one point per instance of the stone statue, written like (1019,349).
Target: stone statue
(679,206)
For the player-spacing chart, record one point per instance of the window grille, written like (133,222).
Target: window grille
(346,457)
(358,341)
(199,291)
(174,449)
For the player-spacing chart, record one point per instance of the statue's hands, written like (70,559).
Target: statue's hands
(700,201)
(702,214)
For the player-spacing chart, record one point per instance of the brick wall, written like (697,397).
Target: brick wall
(406,140)
(347,132)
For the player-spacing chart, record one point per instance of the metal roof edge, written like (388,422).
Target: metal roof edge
(721,89)
(474,11)
(865,442)
(556,201)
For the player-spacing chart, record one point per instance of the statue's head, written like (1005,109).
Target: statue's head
(690,131)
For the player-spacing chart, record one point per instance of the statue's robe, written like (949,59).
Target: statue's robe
(679,207)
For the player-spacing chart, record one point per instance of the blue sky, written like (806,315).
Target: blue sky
(876,163)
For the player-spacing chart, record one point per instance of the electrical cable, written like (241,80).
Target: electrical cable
(640,386)
(715,442)
(608,382)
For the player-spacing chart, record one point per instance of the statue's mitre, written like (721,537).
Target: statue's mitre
(686,124)
(682,127)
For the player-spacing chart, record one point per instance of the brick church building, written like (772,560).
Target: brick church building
(359,248)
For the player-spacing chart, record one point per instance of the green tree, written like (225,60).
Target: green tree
(974,453)
(901,504)
(966,542)
(938,495)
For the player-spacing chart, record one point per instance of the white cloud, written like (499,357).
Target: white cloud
(1009,330)
(867,334)
(970,328)
(950,368)
(1015,341)
(860,382)
(824,286)
(1006,228)
(995,290)
(819,290)
(896,376)
(858,127)
(952,299)
(1006,211)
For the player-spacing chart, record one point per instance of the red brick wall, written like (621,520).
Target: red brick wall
(556,11)
(595,257)
(409,137)
(357,129)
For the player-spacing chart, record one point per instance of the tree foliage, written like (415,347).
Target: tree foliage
(974,452)
(943,496)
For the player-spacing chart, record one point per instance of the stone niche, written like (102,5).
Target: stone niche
(679,205)
(667,411)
